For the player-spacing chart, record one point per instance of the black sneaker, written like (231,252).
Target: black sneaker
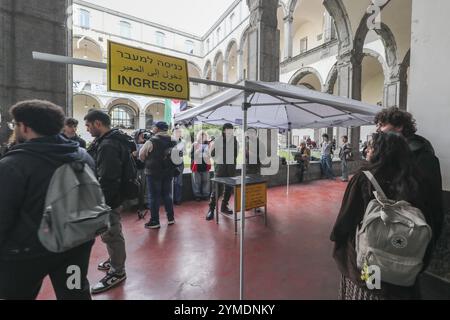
(104,266)
(171,222)
(152,225)
(109,281)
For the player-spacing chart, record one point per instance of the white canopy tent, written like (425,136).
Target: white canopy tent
(276,105)
(282,106)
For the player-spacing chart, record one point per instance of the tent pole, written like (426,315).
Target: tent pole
(288,157)
(245,106)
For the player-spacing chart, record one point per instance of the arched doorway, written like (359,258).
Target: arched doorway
(194,72)
(82,103)
(218,67)
(310,79)
(372,88)
(124,114)
(153,113)
(232,63)
(88,49)
(309,28)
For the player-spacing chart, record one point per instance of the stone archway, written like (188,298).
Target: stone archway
(337,11)
(304,72)
(331,81)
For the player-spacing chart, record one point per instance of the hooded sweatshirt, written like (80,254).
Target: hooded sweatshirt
(24,180)
(111,153)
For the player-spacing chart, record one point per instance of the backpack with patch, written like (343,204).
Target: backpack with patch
(394,236)
(75,211)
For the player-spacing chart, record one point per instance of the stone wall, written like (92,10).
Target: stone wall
(280,179)
(26,26)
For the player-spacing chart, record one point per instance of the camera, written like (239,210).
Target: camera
(147,135)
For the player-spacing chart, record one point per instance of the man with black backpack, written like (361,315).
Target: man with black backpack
(116,172)
(160,170)
(27,174)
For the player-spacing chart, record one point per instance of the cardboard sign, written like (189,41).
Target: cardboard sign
(138,71)
(255,196)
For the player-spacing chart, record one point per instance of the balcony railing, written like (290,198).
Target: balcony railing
(309,53)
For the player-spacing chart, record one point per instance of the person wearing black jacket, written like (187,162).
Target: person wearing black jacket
(394,168)
(223,167)
(427,164)
(70,132)
(111,150)
(25,176)
(159,174)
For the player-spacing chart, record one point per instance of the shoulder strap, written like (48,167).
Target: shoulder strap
(375,184)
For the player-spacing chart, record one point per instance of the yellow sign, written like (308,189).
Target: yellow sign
(137,71)
(255,196)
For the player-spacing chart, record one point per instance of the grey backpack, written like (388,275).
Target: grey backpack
(393,236)
(75,211)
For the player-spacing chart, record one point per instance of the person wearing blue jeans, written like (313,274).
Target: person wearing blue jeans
(160,188)
(159,173)
(326,161)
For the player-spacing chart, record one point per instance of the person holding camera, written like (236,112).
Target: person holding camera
(140,137)
(200,167)
(159,173)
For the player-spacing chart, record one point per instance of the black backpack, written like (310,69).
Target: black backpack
(168,166)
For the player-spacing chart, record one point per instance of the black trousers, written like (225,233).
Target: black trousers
(226,196)
(22,280)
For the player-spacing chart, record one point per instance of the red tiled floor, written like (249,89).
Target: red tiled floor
(196,259)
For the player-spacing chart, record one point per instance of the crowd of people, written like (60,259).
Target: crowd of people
(143,167)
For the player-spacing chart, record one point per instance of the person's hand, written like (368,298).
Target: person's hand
(135,154)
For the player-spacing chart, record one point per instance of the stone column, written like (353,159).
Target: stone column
(27,26)
(288,36)
(264,40)
(240,64)
(263,45)
(213,77)
(225,71)
(349,85)
(317,136)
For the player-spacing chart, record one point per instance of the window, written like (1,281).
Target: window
(160,37)
(85,19)
(189,46)
(125,29)
(122,117)
(232,21)
(218,35)
(304,44)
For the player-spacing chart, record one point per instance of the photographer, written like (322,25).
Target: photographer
(140,137)
(200,167)
(159,177)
